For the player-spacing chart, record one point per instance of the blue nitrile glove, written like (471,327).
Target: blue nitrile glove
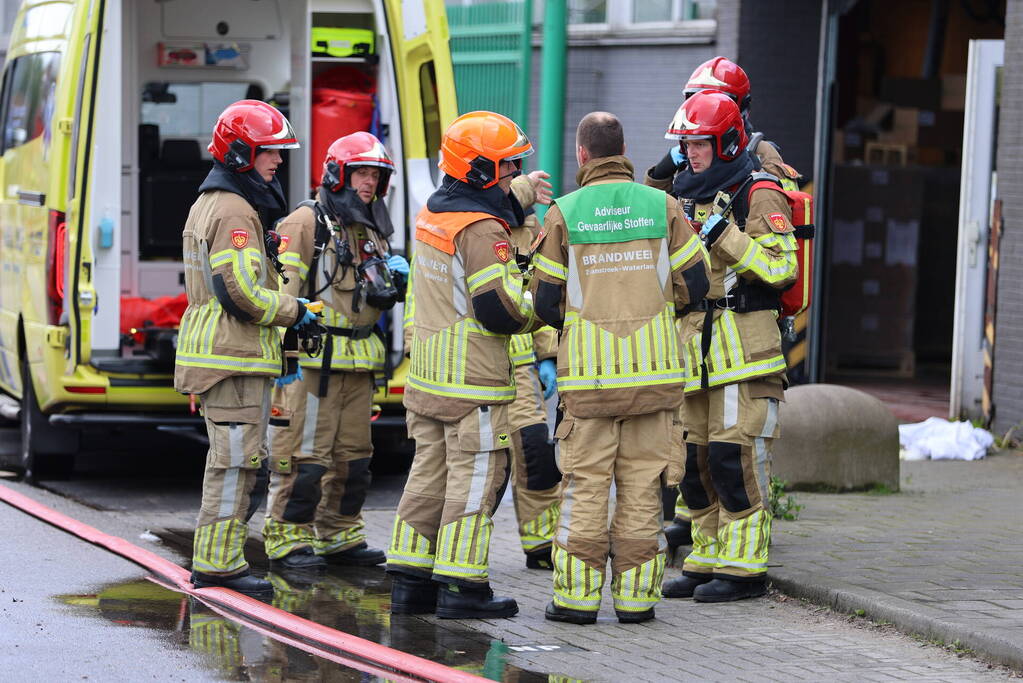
(677,155)
(291,376)
(305,319)
(548,377)
(397,264)
(713,228)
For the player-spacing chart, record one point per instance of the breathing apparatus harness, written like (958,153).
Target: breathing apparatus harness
(374,284)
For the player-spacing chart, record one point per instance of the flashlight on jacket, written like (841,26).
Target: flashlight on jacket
(314,307)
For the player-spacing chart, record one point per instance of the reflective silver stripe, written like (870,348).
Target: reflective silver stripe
(409,559)
(638,604)
(462,390)
(731,408)
(760,455)
(565,517)
(663,264)
(481,464)
(591,605)
(253,364)
(458,291)
(486,430)
(267,400)
(207,271)
(575,289)
(312,409)
(229,492)
(457,569)
(772,418)
(742,565)
(730,279)
(639,380)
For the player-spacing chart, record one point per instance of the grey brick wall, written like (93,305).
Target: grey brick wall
(642,85)
(1008,356)
(778,50)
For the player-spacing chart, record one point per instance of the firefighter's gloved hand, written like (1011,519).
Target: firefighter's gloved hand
(713,228)
(677,155)
(666,168)
(294,373)
(306,317)
(548,377)
(397,264)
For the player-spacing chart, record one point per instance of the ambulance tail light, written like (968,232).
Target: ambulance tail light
(56,266)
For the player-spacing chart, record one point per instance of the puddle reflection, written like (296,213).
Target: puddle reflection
(357,603)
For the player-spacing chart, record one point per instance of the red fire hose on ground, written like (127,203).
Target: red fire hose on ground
(285,627)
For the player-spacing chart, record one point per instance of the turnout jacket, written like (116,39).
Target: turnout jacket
(617,261)
(228,327)
(543,343)
(743,346)
(465,300)
(357,350)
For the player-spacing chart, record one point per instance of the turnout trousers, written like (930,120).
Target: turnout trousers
(536,478)
(236,410)
(634,452)
(319,474)
(444,521)
(727,473)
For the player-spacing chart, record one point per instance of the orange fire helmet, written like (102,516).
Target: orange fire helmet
(476,143)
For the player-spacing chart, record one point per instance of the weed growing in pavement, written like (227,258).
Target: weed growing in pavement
(880,490)
(1007,440)
(788,508)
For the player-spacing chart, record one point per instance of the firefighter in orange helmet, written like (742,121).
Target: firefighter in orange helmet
(333,249)
(735,370)
(228,348)
(466,300)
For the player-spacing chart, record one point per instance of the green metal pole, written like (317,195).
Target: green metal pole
(552,93)
(525,65)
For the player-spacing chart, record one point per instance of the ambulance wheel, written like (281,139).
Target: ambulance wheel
(46,450)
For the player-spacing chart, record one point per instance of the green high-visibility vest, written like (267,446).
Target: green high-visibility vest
(614,212)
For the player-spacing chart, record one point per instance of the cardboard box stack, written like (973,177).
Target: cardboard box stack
(874,240)
(913,120)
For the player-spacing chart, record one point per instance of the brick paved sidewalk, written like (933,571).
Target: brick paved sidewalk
(943,558)
(902,558)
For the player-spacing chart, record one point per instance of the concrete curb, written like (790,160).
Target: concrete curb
(906,616)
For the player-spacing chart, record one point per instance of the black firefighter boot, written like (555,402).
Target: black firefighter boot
(568,615)
(457,601)
(303,559)
(412,594)
(540,559)
(683,586)
(678,534)
(243,582)
(358,556)
(726,590)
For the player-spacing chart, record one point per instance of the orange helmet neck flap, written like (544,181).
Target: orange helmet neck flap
(710,116)
(476,143)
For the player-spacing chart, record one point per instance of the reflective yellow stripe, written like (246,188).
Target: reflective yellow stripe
(409,547)
(682,256)
(482,277)
(552,268)
(764,264)
(539,531)
(295,261)
(576,585)
(463,548)
(438,364)
(341,540)
(597,359)
(219,548)
(233,363)
(520,349)
(638,589)
(280,538)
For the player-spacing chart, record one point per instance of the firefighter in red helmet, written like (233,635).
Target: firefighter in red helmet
(718,74)
(228,348)
(735,370)
(334,249)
